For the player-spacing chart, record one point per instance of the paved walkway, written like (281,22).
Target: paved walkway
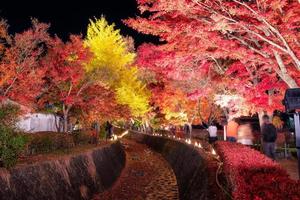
(291,166)
(147,176)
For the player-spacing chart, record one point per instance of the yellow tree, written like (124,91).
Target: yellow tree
(113,65)
(132,92)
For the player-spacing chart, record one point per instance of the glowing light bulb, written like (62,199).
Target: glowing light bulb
(213,152)
(114,137)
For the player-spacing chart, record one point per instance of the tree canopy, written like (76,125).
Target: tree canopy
(113,65)
(246,48)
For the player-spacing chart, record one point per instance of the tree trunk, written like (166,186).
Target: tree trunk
(190,129)
(288,80)
(57,125)
(66,110)
(65,127)
(260,116)
(225,132)
(97,131)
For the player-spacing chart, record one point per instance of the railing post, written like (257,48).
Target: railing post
(297,132)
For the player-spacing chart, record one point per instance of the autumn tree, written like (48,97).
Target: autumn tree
(71,92)
(256,42)
(169,102)
(113,64)
(66,86)
(4,36)
(20,70)
(105,108)
(93,78)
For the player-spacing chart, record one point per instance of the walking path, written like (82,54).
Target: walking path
(146,176)
(291,166)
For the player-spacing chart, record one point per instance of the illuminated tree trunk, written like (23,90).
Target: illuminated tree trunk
(282,72)
(190,129)
(65,117)
(65,122)
(97,131)
(226,113)
(57,123)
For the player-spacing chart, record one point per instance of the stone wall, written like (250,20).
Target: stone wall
(194,169)
(67,178)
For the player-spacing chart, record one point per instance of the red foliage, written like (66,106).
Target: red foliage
(68,87)
(20,70)
(257,42)
(252,175)
(43,72)
(64,82)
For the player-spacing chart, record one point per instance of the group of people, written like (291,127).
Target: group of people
(95,131)
(243,134)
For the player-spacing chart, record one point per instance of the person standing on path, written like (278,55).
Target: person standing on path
(186,130)
(108,129)
(212,130)
(269,135)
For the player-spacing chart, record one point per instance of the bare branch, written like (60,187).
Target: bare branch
(282,73)
(276,31)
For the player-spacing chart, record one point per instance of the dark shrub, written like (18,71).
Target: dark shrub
(81,137)
(11,143)
(45,142)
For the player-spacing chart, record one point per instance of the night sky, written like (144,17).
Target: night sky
(66,16)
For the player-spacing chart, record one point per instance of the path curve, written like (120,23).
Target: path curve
(146,176)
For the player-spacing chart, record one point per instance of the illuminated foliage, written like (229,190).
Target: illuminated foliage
(180,107)
(65,84)
(111,55)
(113,65)
(254,44)
(95,79)
(20,70)
(4,36)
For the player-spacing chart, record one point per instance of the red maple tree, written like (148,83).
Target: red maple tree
(69,91)
(20,70)
(255,43)
(65,85)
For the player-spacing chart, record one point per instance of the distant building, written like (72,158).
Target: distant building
(38,122)
(35,122)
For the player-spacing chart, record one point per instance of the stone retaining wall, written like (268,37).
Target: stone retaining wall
(194,170)
(67,178)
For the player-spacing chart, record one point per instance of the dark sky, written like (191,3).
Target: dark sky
(66,16)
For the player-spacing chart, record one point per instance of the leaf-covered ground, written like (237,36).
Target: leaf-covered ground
(291,166)
(146,176)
